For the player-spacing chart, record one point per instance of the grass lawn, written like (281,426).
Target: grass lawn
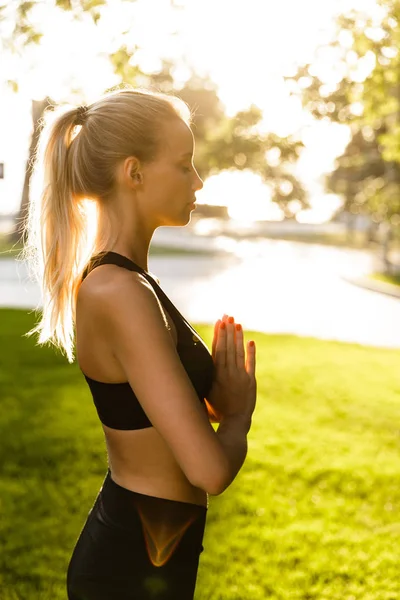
(314,513)
(393,279)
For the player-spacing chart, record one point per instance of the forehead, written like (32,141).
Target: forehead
(178,138)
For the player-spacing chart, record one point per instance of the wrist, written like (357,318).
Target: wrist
(242,418)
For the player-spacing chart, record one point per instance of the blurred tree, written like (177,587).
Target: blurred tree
(235,144)
(361,177)
(366,97)
(19,36)
(229,142)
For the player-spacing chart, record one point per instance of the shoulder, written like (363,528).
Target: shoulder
(109,281)
(114,295)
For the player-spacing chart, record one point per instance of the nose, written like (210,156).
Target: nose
(198,183)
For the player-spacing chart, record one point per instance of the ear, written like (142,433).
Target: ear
(132,170)
(137,176)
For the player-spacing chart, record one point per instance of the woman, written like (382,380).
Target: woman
(128,159)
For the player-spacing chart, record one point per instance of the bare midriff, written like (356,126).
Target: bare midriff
(141,461)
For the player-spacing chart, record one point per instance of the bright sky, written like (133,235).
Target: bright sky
(245,47)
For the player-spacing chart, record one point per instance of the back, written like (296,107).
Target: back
(123,375)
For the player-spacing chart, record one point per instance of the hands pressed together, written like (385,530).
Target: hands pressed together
(234,388)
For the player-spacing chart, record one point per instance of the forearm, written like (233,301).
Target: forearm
(232,433)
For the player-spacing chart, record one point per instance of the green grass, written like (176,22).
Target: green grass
(8,248)
(393,279)
(313,514)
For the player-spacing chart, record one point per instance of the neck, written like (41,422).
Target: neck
(132,234)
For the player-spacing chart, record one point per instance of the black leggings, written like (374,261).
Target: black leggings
(136,547)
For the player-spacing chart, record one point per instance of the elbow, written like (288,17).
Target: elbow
(217,489)
(213,487)
(214,481)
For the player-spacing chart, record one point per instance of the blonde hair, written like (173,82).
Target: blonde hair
(76,180)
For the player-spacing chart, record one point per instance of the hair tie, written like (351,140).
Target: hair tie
(81,115)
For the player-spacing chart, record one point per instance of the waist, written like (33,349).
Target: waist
(173,489)
(142,462)
(125,509)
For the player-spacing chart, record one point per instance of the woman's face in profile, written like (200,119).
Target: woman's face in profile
(171,180)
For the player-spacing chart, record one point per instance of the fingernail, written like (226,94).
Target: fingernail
(238,327)
(231,319)
(222,326)
(251,343)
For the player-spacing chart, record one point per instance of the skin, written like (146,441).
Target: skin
(149,196)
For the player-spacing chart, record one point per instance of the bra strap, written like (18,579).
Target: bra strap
(111,258)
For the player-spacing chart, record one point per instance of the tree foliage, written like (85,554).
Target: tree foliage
(229,142)
(367,99)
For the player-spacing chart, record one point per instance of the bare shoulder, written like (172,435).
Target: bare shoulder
(104,279)
(113,295)
(110,286)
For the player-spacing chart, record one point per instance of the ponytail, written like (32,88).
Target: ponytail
(58,245)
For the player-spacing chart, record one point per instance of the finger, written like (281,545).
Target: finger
(225,318)
(214,342)
(251,359)
(220,346)
(234,328)
(234,331)
(240,357)
(230,344)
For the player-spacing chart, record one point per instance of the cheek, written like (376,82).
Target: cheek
(175,184)
(166,186)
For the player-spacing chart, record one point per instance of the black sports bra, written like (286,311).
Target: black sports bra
(116,403)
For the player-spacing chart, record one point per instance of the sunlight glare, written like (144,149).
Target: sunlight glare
(247,197)
(323,207)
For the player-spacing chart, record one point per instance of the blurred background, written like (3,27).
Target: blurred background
(296,234)
(297,123)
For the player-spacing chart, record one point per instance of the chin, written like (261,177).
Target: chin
(181,222)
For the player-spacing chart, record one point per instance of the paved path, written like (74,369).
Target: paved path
(267,285)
